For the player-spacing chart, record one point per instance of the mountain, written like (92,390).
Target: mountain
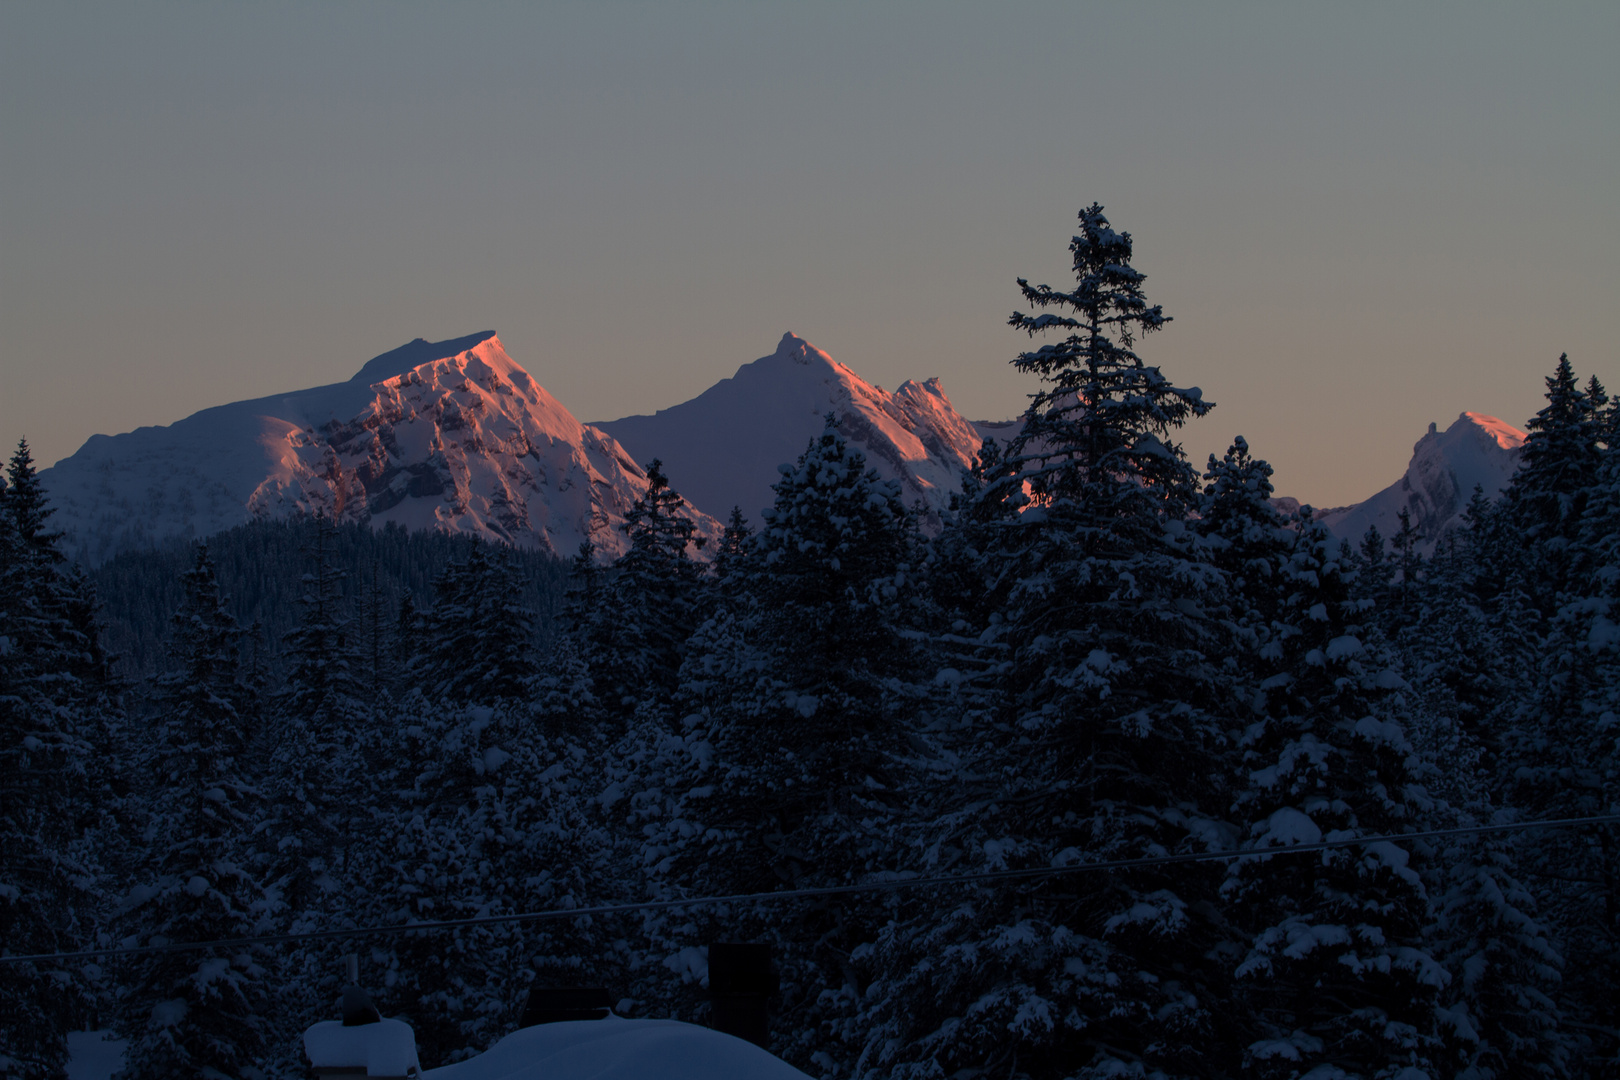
(721,448)
(450,435)
(1476,450)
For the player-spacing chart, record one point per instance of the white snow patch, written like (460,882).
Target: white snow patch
(1288,826)
(1341,648)
(690,963)
(1381,731)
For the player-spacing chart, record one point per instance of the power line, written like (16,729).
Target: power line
(890,885)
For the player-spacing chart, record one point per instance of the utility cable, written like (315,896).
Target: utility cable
(888,885)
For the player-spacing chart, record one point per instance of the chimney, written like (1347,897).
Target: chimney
(741,983)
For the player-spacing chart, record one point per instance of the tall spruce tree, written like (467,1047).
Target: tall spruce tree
(1248,538)
(198,1013)
(1103,737)
(1337,975)
(652,598)
(1554,729)
(309,833)
(795,693)
(809,728)
(45,903)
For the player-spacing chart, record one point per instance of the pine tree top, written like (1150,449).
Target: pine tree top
(1097,433)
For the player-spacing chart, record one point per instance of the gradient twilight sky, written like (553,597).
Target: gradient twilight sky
(1362,217)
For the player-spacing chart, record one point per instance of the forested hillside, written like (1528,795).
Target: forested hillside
(261,568)
(1106,653)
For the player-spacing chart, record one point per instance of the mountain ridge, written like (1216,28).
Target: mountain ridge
(465,441)
(455,435)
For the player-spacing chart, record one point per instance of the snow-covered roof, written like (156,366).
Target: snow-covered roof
(382,1048)
(619,1049)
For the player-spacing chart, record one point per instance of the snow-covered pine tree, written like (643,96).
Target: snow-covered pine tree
(1498,1015)
(582,601)
(831,576)
(309,833)
(1556,753)
(191,1013)
(492,817)
(376,640)
(1337,975)
(407,639)
(1373,570)
(795,693)
(651,601)
(1406,587)
(565,689)
(1248,538)
(477,640)
(324,684)
(564,698)
(1103,742)
(1546,497)
(733,546)
(45,903)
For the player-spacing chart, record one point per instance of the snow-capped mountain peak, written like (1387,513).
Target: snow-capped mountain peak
(1475,451)
(721,448)
(451,435)
(414,354)
(1506,435)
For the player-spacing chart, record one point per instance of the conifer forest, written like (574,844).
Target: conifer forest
(1106,653)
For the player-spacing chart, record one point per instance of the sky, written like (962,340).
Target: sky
(1361,218)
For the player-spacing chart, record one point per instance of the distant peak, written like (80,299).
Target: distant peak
(795,348)
(415,354)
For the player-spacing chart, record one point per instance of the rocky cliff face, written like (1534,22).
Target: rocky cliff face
(1446,466)
(453,435)
(722,448)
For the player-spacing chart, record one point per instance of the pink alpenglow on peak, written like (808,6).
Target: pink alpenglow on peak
(453,436)
(1506,435)
(721,448)
(1475,451)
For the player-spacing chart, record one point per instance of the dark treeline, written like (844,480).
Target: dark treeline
(1105,653)
(260,567)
